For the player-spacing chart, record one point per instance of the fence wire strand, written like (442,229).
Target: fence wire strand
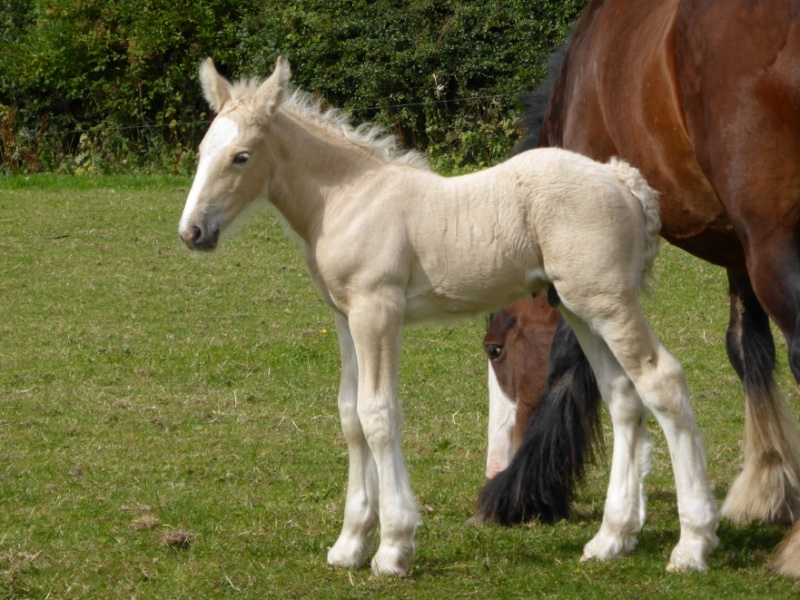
(32,134)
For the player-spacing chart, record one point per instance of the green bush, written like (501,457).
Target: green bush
(106,85)
(95,86)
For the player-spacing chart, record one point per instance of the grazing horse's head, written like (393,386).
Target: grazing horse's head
(231,174)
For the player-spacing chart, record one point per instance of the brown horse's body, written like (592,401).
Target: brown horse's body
(703,97)
(708,112)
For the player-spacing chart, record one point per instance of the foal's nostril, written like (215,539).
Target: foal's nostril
(197,238)
(191,235)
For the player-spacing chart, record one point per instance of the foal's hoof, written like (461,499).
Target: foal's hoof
(679,563)
(691,555)
(608,547)
(348,553)
(391,562)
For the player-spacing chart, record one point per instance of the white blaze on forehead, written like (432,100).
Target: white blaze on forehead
(220,136)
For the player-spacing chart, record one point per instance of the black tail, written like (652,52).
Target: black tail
(560,440)
(535,103)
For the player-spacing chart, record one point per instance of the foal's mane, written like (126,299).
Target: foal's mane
(369,136)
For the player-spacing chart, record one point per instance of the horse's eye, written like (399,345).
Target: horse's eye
(493,352)
(241,158)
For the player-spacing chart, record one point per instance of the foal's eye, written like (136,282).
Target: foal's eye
(493,352)
(241,158)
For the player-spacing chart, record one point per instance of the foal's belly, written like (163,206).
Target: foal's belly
(478,294)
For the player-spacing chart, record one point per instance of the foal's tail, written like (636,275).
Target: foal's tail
(559,441)
(648,198)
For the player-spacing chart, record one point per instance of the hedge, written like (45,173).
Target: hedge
(97,86)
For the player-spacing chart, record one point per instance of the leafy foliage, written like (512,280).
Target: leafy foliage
(88,85)
(93,80)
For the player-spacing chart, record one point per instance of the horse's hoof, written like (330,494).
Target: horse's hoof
(608,547)
(392,562)
(680,562)
(348,553)
(476,519)
(763,493)
(787,556)
(691,554)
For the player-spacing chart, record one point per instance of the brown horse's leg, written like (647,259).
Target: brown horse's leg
(766,490)
(774,266)
(738,93)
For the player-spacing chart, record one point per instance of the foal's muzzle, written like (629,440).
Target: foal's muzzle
(197,239)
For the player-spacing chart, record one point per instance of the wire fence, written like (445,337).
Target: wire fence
(176,124)
(107,145)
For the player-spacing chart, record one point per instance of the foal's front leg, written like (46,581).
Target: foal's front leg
(357,539)
(376,327)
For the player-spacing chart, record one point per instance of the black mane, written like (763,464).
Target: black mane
(535,103)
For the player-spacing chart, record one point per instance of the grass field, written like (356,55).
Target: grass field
(168,424)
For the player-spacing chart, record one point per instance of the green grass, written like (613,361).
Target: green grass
(146,393)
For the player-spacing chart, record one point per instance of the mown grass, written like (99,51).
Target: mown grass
(168,424)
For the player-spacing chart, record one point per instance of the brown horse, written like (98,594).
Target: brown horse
(517,342)
(536,366)
(703,96)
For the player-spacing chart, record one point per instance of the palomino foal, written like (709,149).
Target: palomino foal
(388,242)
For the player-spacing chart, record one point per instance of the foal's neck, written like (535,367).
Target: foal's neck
(309,166)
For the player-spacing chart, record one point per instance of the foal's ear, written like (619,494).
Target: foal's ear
(270,95)
(216,88)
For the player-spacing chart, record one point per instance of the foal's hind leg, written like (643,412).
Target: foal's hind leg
(624,511)
(357,539)
(660,383)
(767,488)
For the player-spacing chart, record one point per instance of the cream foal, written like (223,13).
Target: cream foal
(388,242)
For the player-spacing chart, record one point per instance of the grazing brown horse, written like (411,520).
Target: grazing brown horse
(517,342)
(703,96)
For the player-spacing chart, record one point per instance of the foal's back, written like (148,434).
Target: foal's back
(483,240)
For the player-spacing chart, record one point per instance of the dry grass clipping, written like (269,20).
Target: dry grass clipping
(177,538)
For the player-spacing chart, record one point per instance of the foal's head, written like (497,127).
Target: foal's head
(230,175)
